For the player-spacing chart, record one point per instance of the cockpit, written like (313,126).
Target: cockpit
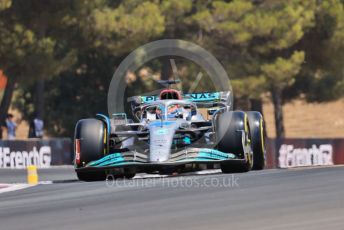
(169,111)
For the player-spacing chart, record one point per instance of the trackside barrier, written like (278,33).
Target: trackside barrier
(19,154)
(281,153)
(299,152)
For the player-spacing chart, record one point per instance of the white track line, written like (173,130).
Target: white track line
(13,187)
(314,167)
(46,182)
(148,176)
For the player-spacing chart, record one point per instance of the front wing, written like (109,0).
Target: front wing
(186,156)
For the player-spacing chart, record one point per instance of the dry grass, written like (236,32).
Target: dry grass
(309,119)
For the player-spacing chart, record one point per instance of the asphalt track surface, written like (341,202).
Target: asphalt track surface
(269,199)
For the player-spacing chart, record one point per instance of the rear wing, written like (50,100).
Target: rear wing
(209,100)
(198,98)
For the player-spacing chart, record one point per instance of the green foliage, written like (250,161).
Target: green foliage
(26,52)
(249,87)
(250,36)
(174,9)
(119,29)
(281,73)
(293,46)
(16,43)
(321,78)
(4,4)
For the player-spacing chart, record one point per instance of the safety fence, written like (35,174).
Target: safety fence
(281,153)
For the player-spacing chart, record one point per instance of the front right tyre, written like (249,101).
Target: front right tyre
(89,145)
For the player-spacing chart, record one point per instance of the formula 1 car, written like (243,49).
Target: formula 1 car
(170,133)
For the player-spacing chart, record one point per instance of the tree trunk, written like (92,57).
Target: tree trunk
(242,103)
(256,105)
(276,94)
(6,99)
(39,98)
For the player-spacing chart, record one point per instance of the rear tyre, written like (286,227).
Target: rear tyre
(90,144)
(229,127)
(257,138)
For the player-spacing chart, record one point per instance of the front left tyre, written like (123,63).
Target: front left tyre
(256,123)
(233,136)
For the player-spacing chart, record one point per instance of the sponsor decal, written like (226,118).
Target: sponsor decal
(77,151)
(161,123)
(202,96)
(289,156)
(161,132)
(40,157)
(113,158)
(147,99)
(211,96)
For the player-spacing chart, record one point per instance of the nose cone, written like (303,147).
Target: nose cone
(161,137)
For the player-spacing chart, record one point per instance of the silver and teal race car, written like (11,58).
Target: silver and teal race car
(170,133)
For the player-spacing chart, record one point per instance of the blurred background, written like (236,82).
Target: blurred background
(284,58)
